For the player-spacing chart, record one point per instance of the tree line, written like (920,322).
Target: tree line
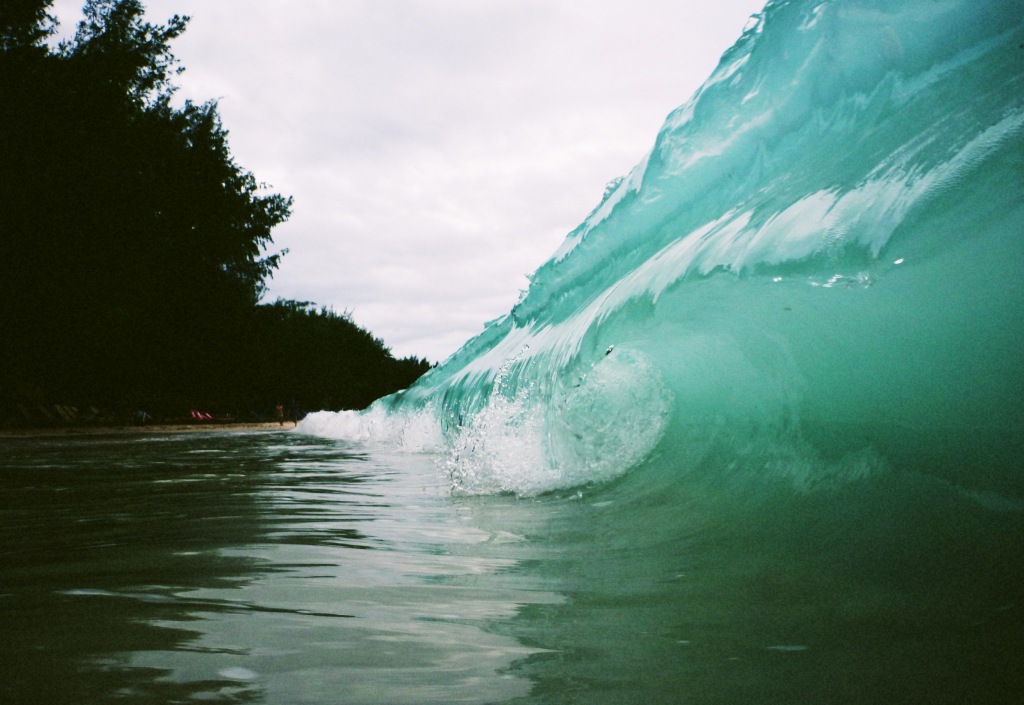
(134,249)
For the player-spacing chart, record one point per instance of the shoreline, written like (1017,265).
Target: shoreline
(154,428)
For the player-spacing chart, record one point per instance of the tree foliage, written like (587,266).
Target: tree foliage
(133,248)
(300,358)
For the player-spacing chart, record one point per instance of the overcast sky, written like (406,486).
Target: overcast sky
(437,150)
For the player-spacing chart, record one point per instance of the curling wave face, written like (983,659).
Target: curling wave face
(814,275)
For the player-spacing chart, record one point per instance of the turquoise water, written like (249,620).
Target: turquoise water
(284,568)
(248,567)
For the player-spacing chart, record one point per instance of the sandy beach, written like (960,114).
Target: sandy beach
(146,429)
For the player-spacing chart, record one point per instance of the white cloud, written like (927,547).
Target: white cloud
(438,150)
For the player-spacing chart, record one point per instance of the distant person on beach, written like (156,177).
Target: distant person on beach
(294,412)
(279,410)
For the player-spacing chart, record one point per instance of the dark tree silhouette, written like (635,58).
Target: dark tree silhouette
(133,248)
(25,25)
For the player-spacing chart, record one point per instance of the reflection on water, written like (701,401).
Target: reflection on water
(242,567)
(279,568)
(892,590)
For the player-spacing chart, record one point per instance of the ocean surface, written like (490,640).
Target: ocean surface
(249,567)
(277,567)
(754,434)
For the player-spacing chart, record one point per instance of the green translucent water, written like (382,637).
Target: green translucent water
(238,568)
(279,568)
